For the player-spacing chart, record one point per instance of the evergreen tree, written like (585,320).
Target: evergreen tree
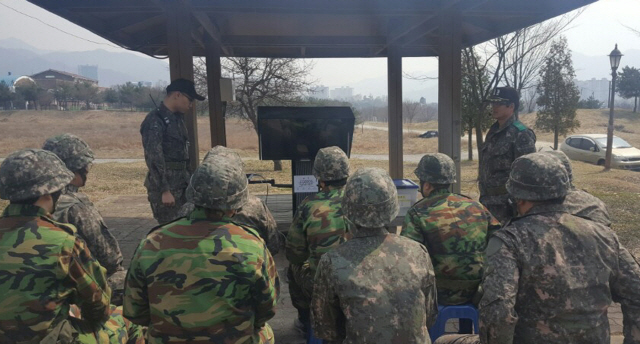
(628,85)
(558,94)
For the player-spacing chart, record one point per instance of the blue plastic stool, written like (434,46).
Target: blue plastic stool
(462,312)
(311,339)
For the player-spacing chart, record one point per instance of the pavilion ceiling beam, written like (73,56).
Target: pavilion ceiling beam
(128,26)
(210,28)
(362,7)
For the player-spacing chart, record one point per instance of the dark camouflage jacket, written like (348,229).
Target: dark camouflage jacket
(199,281)
(166,148)
(318,227)
(454,230)
(501,147)
(375,288)
(550,278)
(44,268)
(75,208)
(583,204)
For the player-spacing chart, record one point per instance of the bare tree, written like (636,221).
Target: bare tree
(263,81)
(410,110)
(524,51)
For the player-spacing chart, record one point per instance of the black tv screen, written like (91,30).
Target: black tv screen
(297,133)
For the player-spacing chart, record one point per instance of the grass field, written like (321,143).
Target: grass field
(115,135)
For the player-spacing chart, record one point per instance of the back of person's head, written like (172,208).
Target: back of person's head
(437,169)
(331,164)
(370,198)
(28,174)
(538,177)
(72,150)
(218,184)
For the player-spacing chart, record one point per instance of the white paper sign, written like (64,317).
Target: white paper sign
(306,183)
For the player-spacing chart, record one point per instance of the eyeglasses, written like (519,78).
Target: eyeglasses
(188,97)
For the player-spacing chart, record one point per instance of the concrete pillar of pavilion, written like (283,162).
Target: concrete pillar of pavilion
(216,113)
(394,79)
(181,62)
(449,88)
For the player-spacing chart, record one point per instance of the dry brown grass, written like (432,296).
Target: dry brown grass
(115,135)
(594,121)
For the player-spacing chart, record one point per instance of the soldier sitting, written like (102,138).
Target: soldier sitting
(579,202)
(452,227)
(44,266)
(74,207)
(205,278)
(317,228)
(550,275)
(254,213)
(377,287)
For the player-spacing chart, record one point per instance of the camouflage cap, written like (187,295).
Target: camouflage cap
(565,161)
(220,185)
(222,151)
(370,198)
(331,163)
(72,150)
(436,168)
(32,173)
(538,177)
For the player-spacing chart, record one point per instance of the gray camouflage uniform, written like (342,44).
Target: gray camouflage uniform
(74,207)
(501,147)
(377,287)
(579,202)
(551,276)
(166,152)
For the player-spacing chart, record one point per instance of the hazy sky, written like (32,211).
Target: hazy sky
(594,33)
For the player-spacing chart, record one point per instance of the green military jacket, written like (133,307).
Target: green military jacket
(454,229)
(44,268)
(317,228)
(201,281)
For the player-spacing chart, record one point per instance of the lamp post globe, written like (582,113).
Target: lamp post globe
(614,59)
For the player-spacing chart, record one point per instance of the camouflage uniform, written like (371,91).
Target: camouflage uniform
(44,266)
(256,215)
(166,152)
(317,228)
(377,287)
(74,207)
(501,147)
(551,276)
(204,280)
(116,330)
(579,202)
(454,230)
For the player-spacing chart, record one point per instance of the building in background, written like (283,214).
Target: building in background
(342,93)
(50,79)
(88,71)
(320,92)
(598,88)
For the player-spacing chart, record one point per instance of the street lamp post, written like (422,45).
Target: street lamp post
(614,58)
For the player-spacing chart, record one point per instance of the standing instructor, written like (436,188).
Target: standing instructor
(506,140)
(166,150)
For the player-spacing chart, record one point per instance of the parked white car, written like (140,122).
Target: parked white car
(592,148)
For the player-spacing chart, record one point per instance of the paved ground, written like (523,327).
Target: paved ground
(130,219)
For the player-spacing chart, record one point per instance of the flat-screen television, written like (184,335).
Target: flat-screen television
(297,133)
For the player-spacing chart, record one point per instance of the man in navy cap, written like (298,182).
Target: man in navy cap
(166,150)
(506,140)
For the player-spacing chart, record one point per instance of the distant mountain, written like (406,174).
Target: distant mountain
(114,68)
(598,67)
